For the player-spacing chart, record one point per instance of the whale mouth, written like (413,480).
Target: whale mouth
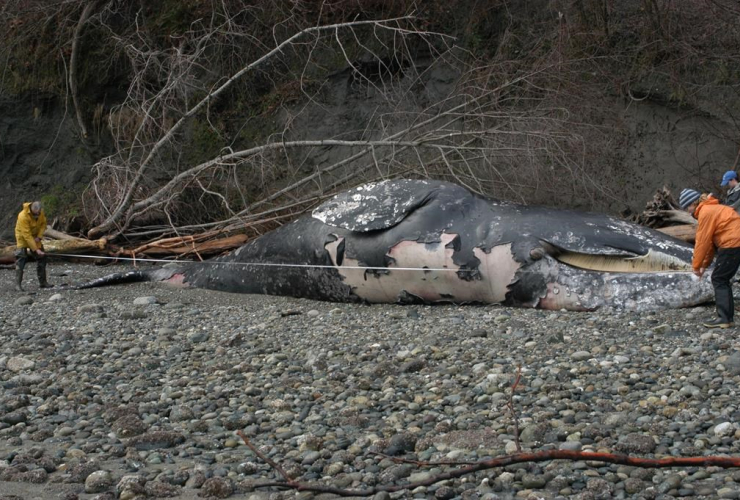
(651,262)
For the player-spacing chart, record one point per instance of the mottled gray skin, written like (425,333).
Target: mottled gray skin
(369,221)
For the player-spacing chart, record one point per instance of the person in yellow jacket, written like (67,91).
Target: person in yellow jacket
(29,229)
(719,228)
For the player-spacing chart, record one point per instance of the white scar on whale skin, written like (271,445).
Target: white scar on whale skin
(497,269)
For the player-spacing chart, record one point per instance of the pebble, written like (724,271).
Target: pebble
(23,301)
(580,355)
(18,364)
(153,393)
(145,301)
(724,429)
(98,482)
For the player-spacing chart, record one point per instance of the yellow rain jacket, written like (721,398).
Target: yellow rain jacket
(29,227)
(719,227)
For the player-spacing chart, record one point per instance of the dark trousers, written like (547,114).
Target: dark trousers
(23,255)
(725,267)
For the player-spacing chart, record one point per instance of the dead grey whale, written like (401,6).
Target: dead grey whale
(424,241)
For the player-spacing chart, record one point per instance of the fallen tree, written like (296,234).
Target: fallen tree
(491,126)
(65,244)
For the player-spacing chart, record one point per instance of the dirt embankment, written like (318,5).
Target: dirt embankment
(646,99)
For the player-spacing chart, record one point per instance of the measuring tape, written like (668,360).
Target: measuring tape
(263,264)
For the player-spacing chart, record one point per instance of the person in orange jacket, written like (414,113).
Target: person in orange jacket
(719,228)
(29,229)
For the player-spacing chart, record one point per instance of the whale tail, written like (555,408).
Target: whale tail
(136,276)
(116,279)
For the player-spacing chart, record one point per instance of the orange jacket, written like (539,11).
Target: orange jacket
(28,227)
(719,227)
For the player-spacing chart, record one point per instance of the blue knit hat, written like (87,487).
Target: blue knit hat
(687,197)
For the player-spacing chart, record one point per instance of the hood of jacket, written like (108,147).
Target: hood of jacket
(711,200)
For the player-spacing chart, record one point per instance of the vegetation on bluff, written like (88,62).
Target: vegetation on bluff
(193,120)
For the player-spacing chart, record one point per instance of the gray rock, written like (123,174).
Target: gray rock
(131,483)
(728,493)
(636,443)
(724,429)
(732,363)
(600,488)
(198,337)
(17,364)
(580,356)
(401,443)
(571,445)
(90,308)
(128,426)
(671,482)
(533,433)
(137,313)
(15,417)
(534,481)
(156,439)
(217,487)
(25,300)
(98,482)
(145,301)
(633,486)
(158,489)
(413,366)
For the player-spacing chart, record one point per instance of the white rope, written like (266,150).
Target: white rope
(261,264)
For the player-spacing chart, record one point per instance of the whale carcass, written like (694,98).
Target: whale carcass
(423,241)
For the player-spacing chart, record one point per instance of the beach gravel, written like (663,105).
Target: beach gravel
(137,391)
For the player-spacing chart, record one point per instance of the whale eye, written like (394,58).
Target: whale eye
(537,253)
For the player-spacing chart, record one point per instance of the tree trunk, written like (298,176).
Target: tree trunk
(86,13)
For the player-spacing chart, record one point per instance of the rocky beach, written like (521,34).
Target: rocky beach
(137,391)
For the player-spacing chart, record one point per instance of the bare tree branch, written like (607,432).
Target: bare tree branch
(518,458)
(125,203)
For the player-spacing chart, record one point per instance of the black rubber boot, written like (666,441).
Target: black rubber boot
(41,272)
(719,323)
(19,280)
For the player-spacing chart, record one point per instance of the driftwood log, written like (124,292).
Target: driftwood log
(58,235)
(664,214)
(70,245)
(197,245)
(686,232)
